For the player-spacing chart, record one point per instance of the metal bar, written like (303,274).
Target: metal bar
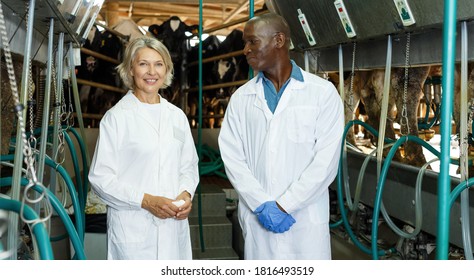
(46,102)
(100,56)
(99,85)
(449,54)
(77,101)
(84,19)
(216,86)
(464,147)
(214,58)
(207,116)
(16,184)
(382,125)
(90,116)
(57,107)
(199,126)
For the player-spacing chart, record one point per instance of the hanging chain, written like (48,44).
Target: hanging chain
(59,154)
(27,151)
(31,87)
(351,87)
(404,117)
(53,81)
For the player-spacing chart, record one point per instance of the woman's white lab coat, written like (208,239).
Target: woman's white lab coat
(133,156)
(290,156)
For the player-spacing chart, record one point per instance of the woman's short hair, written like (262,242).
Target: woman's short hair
(130,53)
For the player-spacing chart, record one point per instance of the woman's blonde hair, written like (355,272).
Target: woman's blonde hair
(130,53)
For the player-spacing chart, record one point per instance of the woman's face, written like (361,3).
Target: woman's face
(148,71)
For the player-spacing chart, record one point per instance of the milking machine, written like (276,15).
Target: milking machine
(38,176)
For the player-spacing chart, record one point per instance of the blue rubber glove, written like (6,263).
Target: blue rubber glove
(285,224)
(272,218)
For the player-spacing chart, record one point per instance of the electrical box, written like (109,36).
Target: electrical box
(344,17)
(306,29)
(404,12)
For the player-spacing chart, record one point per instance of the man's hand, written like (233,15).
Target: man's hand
(273,217)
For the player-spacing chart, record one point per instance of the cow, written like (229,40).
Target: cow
(228,70)
(97,100)
(172,33)
(210,48)
(218,72)
(368,87)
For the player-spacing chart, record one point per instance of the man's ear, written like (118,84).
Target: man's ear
(280,39)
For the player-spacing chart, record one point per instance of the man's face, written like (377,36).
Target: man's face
(259,45)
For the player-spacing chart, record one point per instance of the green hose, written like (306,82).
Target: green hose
(71,189)
(340,195)
(73,235)
(39,230)
(381,183)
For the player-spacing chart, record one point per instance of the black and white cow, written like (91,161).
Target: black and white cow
(172,33)
(227,70)
(210,48)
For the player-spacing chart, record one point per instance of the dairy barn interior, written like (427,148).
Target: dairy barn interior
(403,69)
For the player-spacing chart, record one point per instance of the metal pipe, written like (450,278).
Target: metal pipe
(199,126)
(216,86)
(384,109)
(341,74)
(77,101)
(46,102)
(84,19)
(100,56)
(464,147)
(13,219)
(449,54)
(57,106)
(251,15)
(214,58)
(99,85)
(91,22)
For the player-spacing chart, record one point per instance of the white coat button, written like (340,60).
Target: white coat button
(274,181)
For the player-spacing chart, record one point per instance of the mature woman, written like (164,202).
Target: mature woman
(145,166)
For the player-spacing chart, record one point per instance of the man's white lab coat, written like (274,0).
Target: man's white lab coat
(290,156)
(133,156)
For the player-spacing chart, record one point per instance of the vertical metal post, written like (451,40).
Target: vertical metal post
(77,101)
(46,102)
(57,107)
(199,134)
(384,110)
(464,147)
(18,159)
(251,15)
(444,182)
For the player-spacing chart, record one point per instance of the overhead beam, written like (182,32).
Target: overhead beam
(181,1)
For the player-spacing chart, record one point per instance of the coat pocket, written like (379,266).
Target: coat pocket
(128,226)
(302,124)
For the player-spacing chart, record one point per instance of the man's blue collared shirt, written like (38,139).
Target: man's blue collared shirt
(271,95)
